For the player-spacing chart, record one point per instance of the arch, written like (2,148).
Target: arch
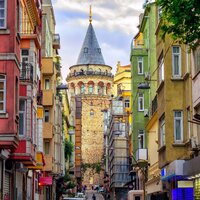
(81,87)
(100,87)
(72,87)
(108,88)
(90,87)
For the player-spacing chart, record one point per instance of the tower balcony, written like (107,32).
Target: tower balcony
(89,73)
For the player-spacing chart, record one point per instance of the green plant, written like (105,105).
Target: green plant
(181,19)
(69,148)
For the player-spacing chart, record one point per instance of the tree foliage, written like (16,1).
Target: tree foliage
(69,148)
(181,19)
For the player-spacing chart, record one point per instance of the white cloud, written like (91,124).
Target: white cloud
(115,23)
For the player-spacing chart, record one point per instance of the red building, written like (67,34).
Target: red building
(9,91)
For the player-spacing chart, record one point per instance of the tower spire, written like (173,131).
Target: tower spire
(90,19)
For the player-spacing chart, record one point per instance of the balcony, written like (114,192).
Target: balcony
(47,130)
(48,163)
(25,153)
(56,41)
(26,72)
(47,66)
(142,156)
(89,73)
(48,98)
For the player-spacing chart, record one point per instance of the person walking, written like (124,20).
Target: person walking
(93,197)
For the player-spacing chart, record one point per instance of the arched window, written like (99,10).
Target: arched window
(100,87)
(90,89)
(82,89)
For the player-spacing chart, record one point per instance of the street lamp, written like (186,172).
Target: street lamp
(143,86)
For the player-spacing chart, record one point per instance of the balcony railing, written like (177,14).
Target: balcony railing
(26,72)
(90,73)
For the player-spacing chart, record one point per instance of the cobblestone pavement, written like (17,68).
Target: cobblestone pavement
(89,194)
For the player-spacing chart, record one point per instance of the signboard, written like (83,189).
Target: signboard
(45,181)
(185,184)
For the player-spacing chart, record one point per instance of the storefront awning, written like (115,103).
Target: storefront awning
(40,162)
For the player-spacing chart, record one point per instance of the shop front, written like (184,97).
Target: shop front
(192,171)
(174,179)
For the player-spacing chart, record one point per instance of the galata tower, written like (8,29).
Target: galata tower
(90,88)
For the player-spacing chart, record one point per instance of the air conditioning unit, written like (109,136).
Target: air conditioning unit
(147,76)
(194,142)
(146,112)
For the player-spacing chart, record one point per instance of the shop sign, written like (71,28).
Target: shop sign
(185,184)
(45,181)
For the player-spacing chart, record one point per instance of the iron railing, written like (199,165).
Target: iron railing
(26,72)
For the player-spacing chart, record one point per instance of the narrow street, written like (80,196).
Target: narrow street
(89,194)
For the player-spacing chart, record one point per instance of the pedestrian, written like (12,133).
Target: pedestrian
(93,197)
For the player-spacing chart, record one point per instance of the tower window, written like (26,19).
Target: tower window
(85,50)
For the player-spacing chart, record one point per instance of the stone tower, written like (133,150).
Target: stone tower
(90,82)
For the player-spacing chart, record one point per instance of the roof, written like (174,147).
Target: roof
(90,52)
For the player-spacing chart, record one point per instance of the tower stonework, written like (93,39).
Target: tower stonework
(90,84)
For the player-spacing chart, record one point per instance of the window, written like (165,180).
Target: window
(178,126)
(90,89)
(82,89)
(91,113)
(3,14)
(176,61)
(159,13)
(47,84)
(46,147)
(46,115)
(140,65)
(197,60)
(162,132)
(127,103)
(100,89)
(22,117)
(99,50)
(140,102)
(2,93)
(141,141)
(161,68)
(24,55)
(188,122)
(85,50)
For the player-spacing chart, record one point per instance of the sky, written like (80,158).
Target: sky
(115,23)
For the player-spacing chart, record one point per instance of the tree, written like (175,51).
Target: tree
(69,148)
(181,19)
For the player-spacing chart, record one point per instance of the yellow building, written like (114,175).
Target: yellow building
(122,88)
(50,79)
(174,110)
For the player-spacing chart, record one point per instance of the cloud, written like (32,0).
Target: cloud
(115,23)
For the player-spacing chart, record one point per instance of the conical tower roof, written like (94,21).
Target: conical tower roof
(90,52)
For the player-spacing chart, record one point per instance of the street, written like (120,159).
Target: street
(89,194)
